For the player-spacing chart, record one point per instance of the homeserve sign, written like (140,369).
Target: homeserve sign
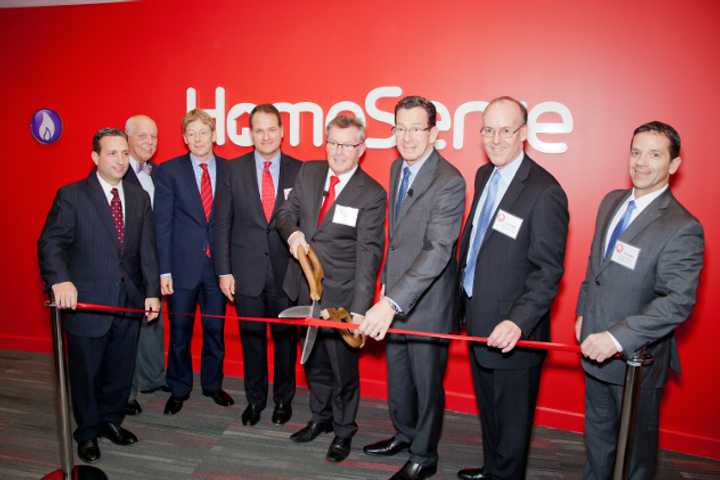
(228,123)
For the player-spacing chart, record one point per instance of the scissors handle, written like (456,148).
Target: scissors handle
(313,271)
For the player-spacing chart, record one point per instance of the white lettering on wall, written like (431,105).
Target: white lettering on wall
(231,125)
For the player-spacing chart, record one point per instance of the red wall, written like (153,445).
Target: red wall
(613,68)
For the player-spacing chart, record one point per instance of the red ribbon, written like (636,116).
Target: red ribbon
(315,322)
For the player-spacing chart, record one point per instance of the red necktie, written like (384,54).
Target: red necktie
(268,192)
(206,196)
(329,199)
(117,214)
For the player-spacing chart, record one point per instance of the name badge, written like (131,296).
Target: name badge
(507,224)
(286,192)
(345,215)
(625,255)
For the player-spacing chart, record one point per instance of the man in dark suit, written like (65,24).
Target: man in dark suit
(427,200)
(150,363)
(184,215)
(642,277)
(251,259)
(512,253)
(339,210)
(98,245)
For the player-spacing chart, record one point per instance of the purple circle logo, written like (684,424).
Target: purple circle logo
(46,126)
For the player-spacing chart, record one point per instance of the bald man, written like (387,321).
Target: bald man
(150,364)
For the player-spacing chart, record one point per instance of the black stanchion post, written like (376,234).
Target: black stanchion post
(67,470)
(626,433)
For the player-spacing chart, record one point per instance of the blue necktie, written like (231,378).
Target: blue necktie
(480,230)
(402,193)
(620,228)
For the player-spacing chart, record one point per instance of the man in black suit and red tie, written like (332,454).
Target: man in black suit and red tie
(251,259)
(150,365)
(511,254)
(98,246)
(184,216)
(338,210)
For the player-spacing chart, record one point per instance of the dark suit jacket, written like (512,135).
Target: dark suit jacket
(78,244)
(350,255)
(642,307)
(518,279)
(420,272)
(244,241)
(182,230)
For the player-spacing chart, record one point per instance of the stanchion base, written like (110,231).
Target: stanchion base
(79,472)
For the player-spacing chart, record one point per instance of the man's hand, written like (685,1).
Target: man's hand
(504,336)
(227,286)
(296,240)
(152,305)
(65,295)
(578,327)
(599,347)
(377,320)
(166,285)
(357,319)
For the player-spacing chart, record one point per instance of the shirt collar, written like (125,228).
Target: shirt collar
(135,165)
(196,161)
(508,171)
(106,187)
(415,167)
(344,177)
(645,200)
(260,160)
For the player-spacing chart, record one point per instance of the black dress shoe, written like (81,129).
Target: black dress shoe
(133,408)
(281,413)
(339,449)
(117,434)
(89,451)
(473,474)
(251,415)
(414,471)
(385,448)
(221,397)
(310,431)
(173,405)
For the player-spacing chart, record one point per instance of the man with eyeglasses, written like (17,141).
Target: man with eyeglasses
(419,286)
(511,254)
(339,210)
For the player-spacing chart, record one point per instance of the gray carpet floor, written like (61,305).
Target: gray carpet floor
(205,441)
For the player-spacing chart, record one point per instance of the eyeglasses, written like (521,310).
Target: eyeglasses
(506,133)
(342,146)
(412,131)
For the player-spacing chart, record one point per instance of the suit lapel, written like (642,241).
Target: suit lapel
(651,213)
(394,174)
(188,177)
(517,185)
(600,247)
(132,206)
(99,201)
(250,185)
(282,182)
(421,183)
(316,190)
(483,177)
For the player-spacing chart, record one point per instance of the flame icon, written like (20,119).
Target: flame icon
(47,127)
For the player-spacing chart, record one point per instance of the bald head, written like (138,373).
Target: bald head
(142,137)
